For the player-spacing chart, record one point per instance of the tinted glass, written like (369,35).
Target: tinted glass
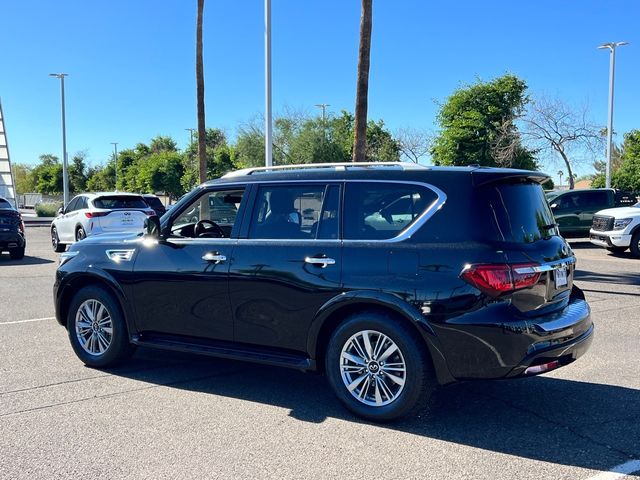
(295,212)
(4,203)
(596,200)
(119,201)
(154,202)
(379,211)
(521,212)
(73,205)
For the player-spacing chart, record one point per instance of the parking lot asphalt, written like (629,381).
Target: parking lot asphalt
(166,415)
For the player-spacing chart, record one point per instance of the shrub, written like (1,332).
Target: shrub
(48,209)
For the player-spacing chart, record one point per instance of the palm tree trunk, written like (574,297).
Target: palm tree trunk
(362,91)
(200,95)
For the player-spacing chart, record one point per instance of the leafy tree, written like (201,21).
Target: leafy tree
(362,89)
(249,146)
(23,178)
(163,144)
(101,178)
(78,173)
(47,175)
(627,177)
(478,121)
(214,140)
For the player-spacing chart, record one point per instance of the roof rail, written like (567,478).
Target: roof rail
(335,166)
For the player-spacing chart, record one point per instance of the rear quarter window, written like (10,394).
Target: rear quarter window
(520,212)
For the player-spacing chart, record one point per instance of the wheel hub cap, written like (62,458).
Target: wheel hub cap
(94,327)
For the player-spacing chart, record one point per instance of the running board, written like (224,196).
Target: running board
(225,350)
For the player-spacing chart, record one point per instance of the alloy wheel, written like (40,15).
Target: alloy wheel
(373,368)
(94,327)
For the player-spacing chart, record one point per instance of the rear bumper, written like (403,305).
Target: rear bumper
(498,342)
(12,239)
(609,239)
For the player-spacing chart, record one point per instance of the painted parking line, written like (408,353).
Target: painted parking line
(620,471)
(29,320)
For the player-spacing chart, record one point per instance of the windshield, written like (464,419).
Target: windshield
(5,204)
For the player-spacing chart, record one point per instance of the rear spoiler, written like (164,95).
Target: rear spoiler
(483,176)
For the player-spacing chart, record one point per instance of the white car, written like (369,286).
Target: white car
(617,229)
(95,213)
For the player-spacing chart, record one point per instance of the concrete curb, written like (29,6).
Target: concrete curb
(37,221)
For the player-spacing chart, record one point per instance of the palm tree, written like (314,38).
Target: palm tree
(362,90)
(200,95)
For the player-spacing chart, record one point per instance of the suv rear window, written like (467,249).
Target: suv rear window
(153,202)
(120,201)
(379,211)
(521,212)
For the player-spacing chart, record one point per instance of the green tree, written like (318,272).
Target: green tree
(101,178)
(78,173)
(47,175)
(162,172)
(627,177)
(478,121)
(23,178)
(214,140)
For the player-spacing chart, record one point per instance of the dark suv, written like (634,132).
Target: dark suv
(11,230)
(390,278)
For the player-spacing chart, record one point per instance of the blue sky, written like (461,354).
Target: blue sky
(131,62)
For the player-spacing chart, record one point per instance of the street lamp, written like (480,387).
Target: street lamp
(65,173)
(323,106)
(115,157)
(611,46)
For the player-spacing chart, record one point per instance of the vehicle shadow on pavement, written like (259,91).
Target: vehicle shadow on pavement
(550,419)
(599,277)
(5,259)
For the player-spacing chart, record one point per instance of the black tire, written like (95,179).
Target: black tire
(635,244)
(118,348)
(16,253)
(55,241)
(419,382)
(617,249)
(80,234)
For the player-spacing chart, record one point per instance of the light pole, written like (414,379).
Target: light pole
(115,157)
(65,173)
(612,66)
(268,125)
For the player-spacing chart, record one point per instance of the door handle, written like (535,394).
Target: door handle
(214,257)
(321,262)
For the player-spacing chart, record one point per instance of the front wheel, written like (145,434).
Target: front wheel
(55,241)
(635,245)
(80,234)
(97,329)
(617,249)
(377,367)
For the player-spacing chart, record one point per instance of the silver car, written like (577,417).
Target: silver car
(95,213)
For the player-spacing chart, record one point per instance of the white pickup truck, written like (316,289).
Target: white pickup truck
(617,229)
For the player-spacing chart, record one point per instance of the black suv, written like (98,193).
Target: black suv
(11,230)
(390,278)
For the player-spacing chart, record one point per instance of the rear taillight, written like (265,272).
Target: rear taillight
(95,214)
(150,213)
(497,279)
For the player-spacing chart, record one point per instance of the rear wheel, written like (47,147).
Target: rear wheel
(377,367)
(635,245)
(97,329)
(80,234)
(16,253)
(55,241)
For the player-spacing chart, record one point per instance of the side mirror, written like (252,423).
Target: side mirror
(152,226)
(60,211)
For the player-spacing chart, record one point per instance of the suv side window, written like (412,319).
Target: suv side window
(380,211)
(213,209)
(596,200)
(73,205)
(295,212)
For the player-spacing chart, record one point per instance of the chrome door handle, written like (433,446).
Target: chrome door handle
(214,257)
(320,261)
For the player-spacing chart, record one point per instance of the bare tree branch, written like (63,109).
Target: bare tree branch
(414,143)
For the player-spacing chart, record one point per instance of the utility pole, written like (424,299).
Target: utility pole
(65,170)
(115,157)
(268,124)
(323,106)
(611,46)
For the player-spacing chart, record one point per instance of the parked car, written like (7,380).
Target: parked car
(401,279)
(12,238)
(617,229)
(155,203)
(574,209)
(94,213)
